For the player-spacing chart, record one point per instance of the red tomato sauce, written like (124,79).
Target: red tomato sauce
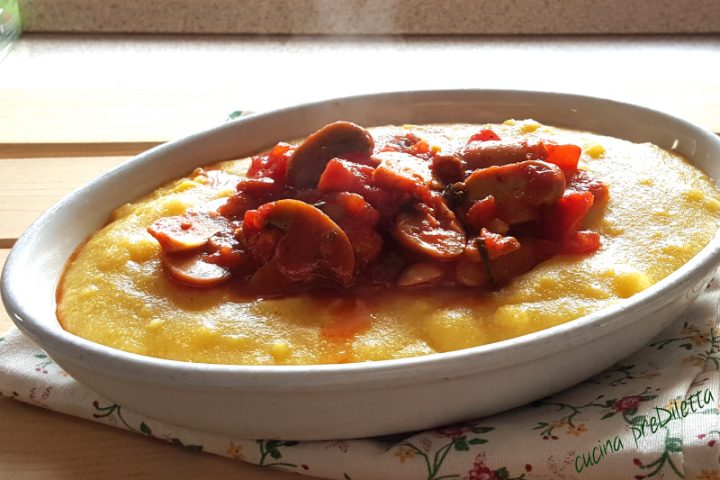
(339,211)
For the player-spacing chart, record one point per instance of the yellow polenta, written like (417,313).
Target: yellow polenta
(661,212)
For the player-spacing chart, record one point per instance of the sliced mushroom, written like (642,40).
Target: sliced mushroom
(493,273)
(499,152)
(524,259)
(435,232)
(190,269)
(518,188)
(312,245)
(400,171)
(422,273)
(186,232)
(471,274)
(336,139)
(448,167)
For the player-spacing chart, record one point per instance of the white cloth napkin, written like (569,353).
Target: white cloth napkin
(654,415)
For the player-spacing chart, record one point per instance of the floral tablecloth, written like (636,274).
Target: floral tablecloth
(654,415)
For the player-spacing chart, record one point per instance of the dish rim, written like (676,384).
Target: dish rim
(494,355)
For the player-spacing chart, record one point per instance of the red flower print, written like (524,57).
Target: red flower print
(627,403)
(480,470)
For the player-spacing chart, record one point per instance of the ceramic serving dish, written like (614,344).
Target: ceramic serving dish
(363,399)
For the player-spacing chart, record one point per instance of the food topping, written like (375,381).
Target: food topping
(191,269)
(431,230)
(340,211)
(487,153)
(309,159)
(186,232)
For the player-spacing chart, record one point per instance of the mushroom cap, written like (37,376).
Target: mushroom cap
(312,244)
(309,159)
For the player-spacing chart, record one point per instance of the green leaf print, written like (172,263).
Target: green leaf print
(674,444)
(477,441)
(272,449)
(457,440)
(461,445)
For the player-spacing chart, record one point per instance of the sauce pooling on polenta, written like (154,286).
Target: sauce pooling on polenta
(116,292)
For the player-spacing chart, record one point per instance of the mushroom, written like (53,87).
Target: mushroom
(435,232)
(309,159)
(471,274)
(448,167)
(191,231)
(518,188)
(499,152)
(310,245)
(191,269)
(422,273)
(400,171)
(493,273)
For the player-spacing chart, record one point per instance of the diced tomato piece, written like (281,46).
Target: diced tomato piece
(252,222)
(564,217)
(582,242)
(564,156)
(259,186)
(264,183)
(359,221)
(481,212)
(582,182)
(421,147)
(344,176)
(484,136)
(563,220)
(272,165)
(237,205)
(252,192)
(498,245)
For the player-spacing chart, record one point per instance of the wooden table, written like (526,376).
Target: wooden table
(72,107)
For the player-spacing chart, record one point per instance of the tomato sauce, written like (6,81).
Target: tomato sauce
(337,206)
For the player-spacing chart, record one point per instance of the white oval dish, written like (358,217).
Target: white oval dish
(361,399)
